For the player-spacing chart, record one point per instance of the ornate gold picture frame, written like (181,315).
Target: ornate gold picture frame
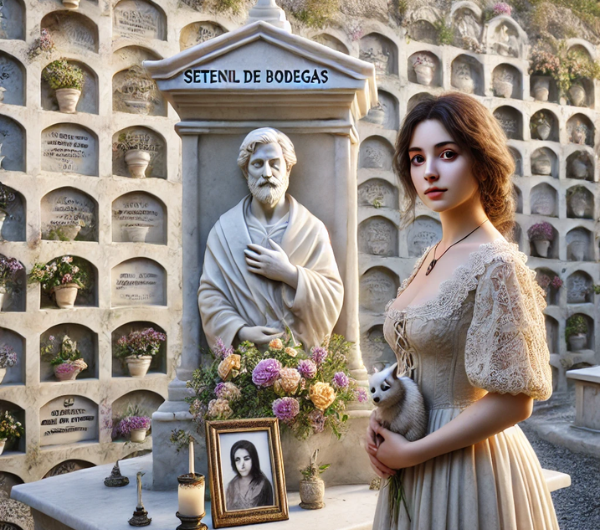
(246,476)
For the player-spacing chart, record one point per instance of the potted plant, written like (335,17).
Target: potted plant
(424,69)
(6,197)
(67,80)
(576,332)
(8,359)
(544,66)
(136,427)
(312,487)
(541,234)
(542,125)
(61,277)
(10,429)
(547,283)
(67,362)
(137,148)
(580,67)
(9,267)
(44,45)
(138,348)
(66,232)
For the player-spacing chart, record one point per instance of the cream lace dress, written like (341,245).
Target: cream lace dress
(483,332)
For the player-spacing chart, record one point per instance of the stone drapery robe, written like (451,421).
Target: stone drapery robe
(231,297)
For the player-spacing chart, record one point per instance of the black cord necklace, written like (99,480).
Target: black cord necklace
(434,261)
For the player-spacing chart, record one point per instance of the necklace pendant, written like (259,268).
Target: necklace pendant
(431,266)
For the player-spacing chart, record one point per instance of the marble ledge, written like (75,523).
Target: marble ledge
(347,507)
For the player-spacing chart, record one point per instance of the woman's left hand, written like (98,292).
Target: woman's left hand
(395,451)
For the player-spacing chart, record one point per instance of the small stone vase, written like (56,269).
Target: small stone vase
(424,74)
(541,247)
(466,85)
(66,376)
(138,366)
(65,295)
(578,207)
(67,99)
(577,95)
(577,342)
(137,435)
(577,249)
(503,89)
(579,169)
(312,492)
(3,216)
(543,130)
(2,444)
(541,88)
(2,374)
(137,234)
(137,161)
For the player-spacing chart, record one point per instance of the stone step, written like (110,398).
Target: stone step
(556,480)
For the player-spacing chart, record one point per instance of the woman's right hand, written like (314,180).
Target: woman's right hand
(381,470)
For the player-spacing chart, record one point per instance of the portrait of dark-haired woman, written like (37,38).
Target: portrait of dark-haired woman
(250,487)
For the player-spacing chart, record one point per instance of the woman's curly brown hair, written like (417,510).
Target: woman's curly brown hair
(476,130)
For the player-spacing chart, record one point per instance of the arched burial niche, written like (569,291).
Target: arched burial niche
(14,299)
(159,361)
(424,68)
(12,79)
(518,198)
(139,217)
(69,148)
(378,193)
(550,282)
(69,214)
(544,162)
(138,282)
(12,23)
(581,91)
(518,158)
(377,287)
(12,138)
(200,32)
(544,200)
(135,92)
(386,113)
(511,121)
(68,419)
(13,343)
(416,99)
(86,297)
(139,19)
(581,130)
(580,288)
(375,350)
(422,29)
(16,444)
(68,466)
(505,37)
(544,126)
(376,153)
(580,203)
(51,342)
(381,52)
(332,42)
(466,21)
(13,228)
(378,236)
(580,244)
(88,102)
(580,165)
(136,403)
(135,140)
(467,75)
(507,82)
(7,482)
(422,233)
(71,32)
(582,326)
(537,235)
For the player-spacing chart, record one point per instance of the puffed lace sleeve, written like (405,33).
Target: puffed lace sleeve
(506,349)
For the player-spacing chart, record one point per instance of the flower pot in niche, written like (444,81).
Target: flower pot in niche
(541,88)
(65,295)
(503,89)
(137,435)
(2,374)
(137,161)
(67,99)
(66,375)
(71,4)
(542,166)
(137,234)
(577,95)
(541,247)
(579,169)
(312,492)
(578,206)
(2,444)
(138,366)
(577,342)
(424,74)
(577,249)
(464,84)
(543,130)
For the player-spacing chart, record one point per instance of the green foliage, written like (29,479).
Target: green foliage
(66,352)
(317,13)
(60,271)
(62,74)
(229,5)
(313,470)
(575,325)
(181,439)
(445,33)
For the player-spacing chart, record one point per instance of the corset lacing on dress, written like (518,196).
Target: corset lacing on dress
(406,361)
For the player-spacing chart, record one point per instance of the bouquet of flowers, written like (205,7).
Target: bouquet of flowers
(9,427)
(129,423)
(58,272)
(8,356)
(541,232)
(9,267)
(67,355)
(139,343)
(306,392)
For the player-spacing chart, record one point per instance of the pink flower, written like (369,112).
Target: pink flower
(286,409)
(67,278)
(307,368)
(266,372)
(318,354)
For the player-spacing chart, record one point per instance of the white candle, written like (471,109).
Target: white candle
(191,500)
(191,457)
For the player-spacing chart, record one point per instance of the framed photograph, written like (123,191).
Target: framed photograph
(247,481)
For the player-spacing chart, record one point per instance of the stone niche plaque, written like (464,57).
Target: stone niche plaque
(88,102)
(375,349)
(199,32)
(68,148)
(71,32)
(544,200)
(12,75)
(378,236)
(376,153)
(423,233)
(378,193)
(580,288)
(67,420)
(14,225)
(138,281)
(135,92)
(12,20)
(377,287)
(511,121)
(65,209)
(14,374)
(139,19)
(12,138)
(144,139)
(381,52)
(139,209)
(579,245)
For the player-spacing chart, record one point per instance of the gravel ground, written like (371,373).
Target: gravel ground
(577,507)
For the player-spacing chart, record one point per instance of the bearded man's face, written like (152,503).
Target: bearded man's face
(268,177)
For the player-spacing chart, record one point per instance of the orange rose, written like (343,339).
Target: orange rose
(289,378)
(322,395)
(291,351)
(231,362)
(276,344)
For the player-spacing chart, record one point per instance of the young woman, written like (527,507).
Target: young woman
(250,487)
(468,327)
